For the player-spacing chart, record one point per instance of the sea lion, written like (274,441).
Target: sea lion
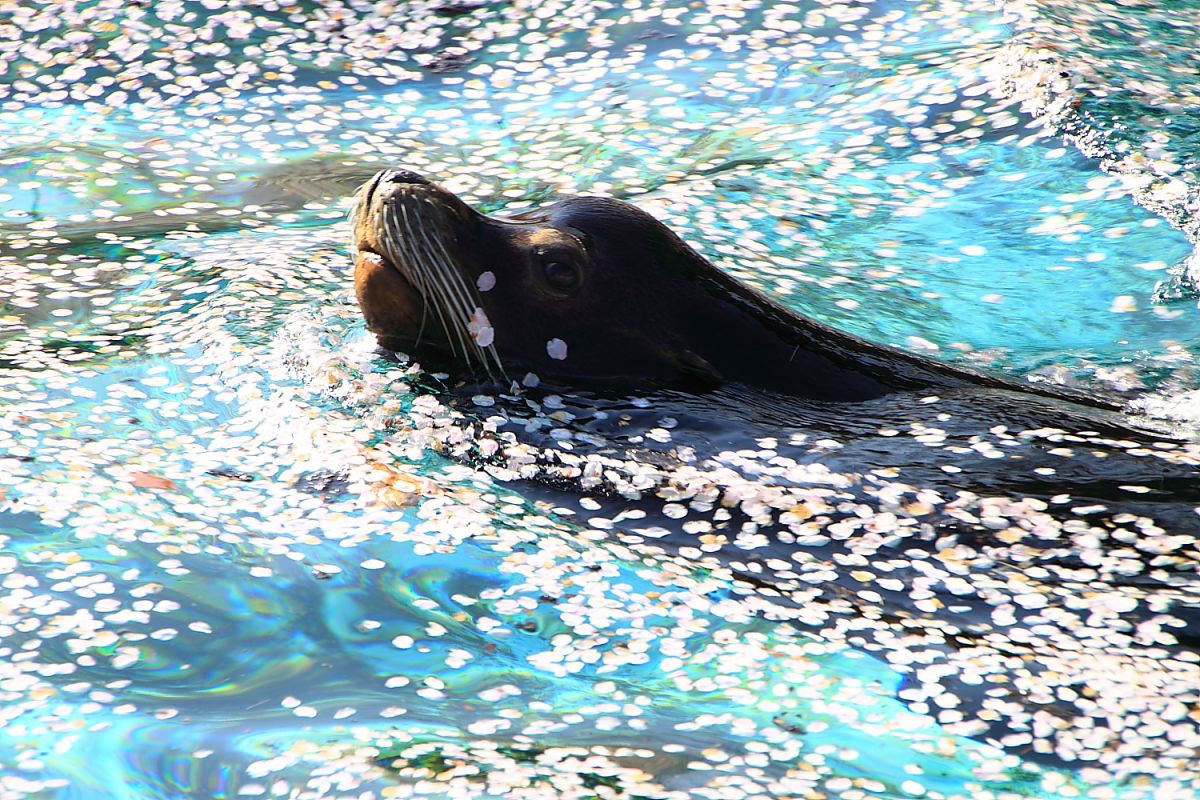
(962,530)
(594,291)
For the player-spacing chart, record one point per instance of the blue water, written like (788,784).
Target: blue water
(243,554)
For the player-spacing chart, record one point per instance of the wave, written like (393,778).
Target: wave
(1111,80)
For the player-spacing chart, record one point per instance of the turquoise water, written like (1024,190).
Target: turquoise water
(246,555)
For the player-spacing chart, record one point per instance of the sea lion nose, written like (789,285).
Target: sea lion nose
(405,176)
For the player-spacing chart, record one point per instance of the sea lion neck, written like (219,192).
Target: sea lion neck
(748,338)
(742,335)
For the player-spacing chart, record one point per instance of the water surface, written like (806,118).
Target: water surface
(244,554)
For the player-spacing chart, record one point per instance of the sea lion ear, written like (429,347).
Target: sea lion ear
(696,373)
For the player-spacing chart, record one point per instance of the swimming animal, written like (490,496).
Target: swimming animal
(979,531)
(593,291)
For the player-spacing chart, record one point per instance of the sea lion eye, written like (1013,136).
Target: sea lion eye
(560,275)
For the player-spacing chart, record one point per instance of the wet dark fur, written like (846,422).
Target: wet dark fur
(648,311)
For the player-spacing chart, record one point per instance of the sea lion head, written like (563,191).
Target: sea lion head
(584,290)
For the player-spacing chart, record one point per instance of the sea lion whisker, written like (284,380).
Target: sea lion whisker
(457,306)
(448,283)
(433,297)
(357,210)
(428,284)
(415,267)
(393,246)
(474,301)
(434,285)
(451,279)
(445,263)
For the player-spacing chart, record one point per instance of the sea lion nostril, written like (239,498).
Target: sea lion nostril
(406,176)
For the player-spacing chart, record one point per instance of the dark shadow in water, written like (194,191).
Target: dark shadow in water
(1095,474)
